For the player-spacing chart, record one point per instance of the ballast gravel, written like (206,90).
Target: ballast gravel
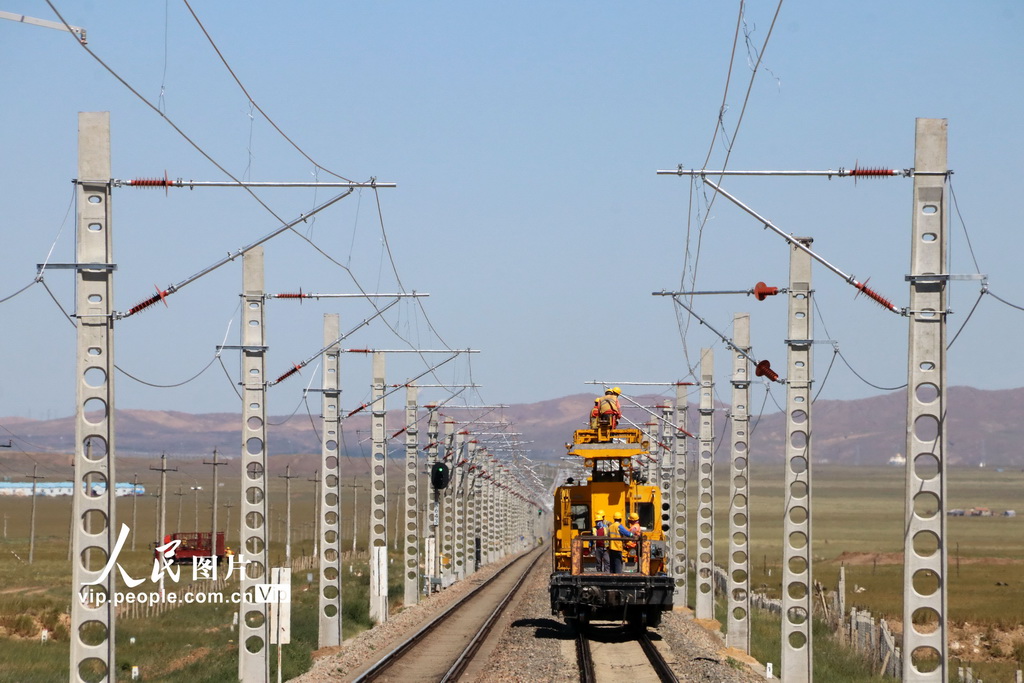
(533,646)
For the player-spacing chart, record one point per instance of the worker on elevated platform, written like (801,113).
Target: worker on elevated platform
(608,410)
(594,414)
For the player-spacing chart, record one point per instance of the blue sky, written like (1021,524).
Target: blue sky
(524,138)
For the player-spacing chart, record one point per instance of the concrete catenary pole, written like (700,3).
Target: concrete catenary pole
(738,618)
(253,626)
(433,544)
(705,602)
(797,574)
(410,532)
(459,498)
(378,545)
(329,517)
(94,516)
(667,436)
(680,559)
(925,548)
(448,523)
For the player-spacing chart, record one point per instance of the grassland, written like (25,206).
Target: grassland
(858,515)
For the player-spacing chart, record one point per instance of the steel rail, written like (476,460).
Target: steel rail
(585,659)
(664,671)
(459,667)
(385,662)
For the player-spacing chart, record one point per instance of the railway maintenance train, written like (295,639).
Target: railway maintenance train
(580,589)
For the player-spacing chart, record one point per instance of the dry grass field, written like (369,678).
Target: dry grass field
(857,518)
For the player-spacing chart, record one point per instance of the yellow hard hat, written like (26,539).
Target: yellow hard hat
(600,514)
(617,515)
(633,517)
(616,391)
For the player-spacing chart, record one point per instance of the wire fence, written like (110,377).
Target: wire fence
(872,638)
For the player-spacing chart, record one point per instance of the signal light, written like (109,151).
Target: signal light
(439,476)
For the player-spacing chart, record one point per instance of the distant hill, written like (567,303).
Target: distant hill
(985,427)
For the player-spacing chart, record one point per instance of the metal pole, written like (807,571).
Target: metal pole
(797,569)
(925,581)
(706,490)
(738,617)
(795,243)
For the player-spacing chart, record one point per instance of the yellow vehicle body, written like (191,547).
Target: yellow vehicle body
(579,587)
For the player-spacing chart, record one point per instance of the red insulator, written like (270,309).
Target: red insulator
(869,172)
(288,374)
(763,291)
(874,296)
(300,295)
(764,369)
(160,295)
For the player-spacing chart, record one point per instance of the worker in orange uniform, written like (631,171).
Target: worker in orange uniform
(594,414)
(634,528)
(608,409)
(616,532)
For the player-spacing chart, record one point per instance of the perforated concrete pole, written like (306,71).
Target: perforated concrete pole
(411,528)
(433,435)
(253,624)
(738,619)
(459,502)
(797,576)
(705,602)
(472,509)
(667,436)
(448,522)
(651,467)
(680,595)
(329,598)
(378,498)
(93,516)
(492,513)
(925,547)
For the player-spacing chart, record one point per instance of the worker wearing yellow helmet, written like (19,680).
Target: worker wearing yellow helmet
(616,532)
(634,528)
(608,408)
(601,545)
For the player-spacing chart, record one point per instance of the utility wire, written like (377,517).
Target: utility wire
(253,102)
(998,298)
(861,378)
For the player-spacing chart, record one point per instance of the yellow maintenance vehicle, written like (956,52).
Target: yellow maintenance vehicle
(584,587)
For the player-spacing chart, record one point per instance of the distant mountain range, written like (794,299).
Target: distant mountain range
(984,428)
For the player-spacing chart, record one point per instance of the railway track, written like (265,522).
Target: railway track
(618,652)
(444,648)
